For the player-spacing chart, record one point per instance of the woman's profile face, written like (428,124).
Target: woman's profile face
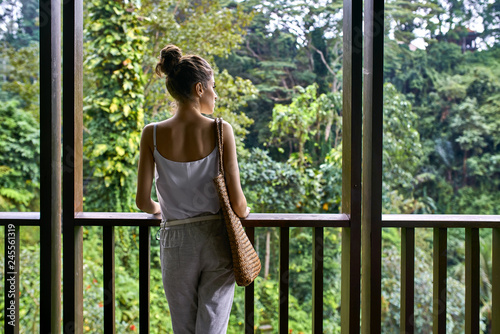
(207,101)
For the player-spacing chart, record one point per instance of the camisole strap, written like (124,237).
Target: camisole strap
(154,135)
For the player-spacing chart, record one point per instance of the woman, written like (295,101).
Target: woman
(182,154)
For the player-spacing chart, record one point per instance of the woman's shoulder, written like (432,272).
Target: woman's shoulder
(148,129)
(228,133)
(226,126)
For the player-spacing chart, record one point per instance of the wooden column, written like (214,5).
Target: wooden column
(72,165)
(50,166)
(351,164)
(372,165)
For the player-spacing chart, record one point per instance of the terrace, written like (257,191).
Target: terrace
(361,222)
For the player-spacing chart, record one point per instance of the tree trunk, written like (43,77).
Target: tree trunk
(268,253)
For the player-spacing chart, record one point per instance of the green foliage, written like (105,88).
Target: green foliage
(271,186)
(309,118)
(455,97)
(114,114)
(234,92)
(20,23)
(21,73)
(19,159)
(402,149)
(441,139)
(19,134)
(391,271)
(403,157)
(120,86)
(29,274)
(170,22)
(408,16)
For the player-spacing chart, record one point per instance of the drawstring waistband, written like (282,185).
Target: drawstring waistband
(169,223)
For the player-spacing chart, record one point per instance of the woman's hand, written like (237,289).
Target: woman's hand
(247,212)
(149,207)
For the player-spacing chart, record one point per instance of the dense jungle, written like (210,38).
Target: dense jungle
(278,69)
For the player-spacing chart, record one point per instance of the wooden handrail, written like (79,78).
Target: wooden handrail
(317,222)
(448,221)
(269,220)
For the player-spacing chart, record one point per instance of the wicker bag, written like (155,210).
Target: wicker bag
(246,263)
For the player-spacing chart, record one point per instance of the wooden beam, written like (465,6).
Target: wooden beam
(373,82)
(443,221)
(50,166)
(254,220)
(72,165)
(351,164)
(20,218)
(277,219)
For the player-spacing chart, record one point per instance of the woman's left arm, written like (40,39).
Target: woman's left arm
(145,173)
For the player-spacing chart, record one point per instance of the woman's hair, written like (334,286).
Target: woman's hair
(182,71)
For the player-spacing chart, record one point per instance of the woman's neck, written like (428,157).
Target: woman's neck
(188,111)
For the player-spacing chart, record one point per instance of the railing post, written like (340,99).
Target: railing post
(317,288)
(373,94)
(284,279)
(439,280)
(407,280)
(351,163)
(72,165)
(144,274)
(50,166)
(11,279)
(108,251)
(472,293)
(249,293)
(495,282)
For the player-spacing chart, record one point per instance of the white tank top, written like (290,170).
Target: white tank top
(186,189)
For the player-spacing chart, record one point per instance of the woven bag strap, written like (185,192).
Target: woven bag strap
(220,143)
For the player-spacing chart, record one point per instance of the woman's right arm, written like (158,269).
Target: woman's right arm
(145,173)
(232,173)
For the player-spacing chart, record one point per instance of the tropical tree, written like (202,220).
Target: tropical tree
(114,103)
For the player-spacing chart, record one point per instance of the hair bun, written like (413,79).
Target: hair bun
(170,56)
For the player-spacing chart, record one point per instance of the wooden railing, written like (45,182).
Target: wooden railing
(362,133)
(471,223)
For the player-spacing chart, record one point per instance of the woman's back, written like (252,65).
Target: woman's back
(184,172)
(185,140)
